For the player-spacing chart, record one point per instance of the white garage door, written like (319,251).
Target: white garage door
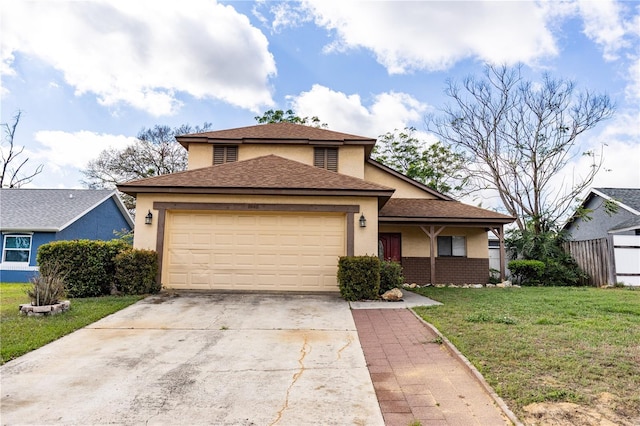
(253,251)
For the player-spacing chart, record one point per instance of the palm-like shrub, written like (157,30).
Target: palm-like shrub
(47,288)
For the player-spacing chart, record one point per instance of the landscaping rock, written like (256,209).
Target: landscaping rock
(477,286)
(30,310)
(393,295)
(490,285)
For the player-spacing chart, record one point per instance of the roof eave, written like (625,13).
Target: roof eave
(444,220)
(134,190)
(10,230)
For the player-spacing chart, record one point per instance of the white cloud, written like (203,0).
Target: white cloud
(347,113)
(143,53)
(62,152)
(407,36)
(603,24)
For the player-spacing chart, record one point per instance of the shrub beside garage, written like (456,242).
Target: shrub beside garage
(366,277)
(97,268)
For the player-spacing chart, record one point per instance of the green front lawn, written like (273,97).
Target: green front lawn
(20,334)
(547,344)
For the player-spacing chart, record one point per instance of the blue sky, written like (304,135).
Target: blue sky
(89,75)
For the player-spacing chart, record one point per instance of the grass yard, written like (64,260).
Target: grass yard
(20,334)
(549,346)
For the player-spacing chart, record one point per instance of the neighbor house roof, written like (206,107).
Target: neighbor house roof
(627,198)
(51,210)
(438,211)
(262,175)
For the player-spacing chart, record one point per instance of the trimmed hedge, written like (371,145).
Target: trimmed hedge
(97,268)
(88,265)
(359,277)
(528,272)
(390,276)
(136,272)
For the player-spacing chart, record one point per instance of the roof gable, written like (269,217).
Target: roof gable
(627,198)
(404,178)
(268,173)
(51,210)
(275,132)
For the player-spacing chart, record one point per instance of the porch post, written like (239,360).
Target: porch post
(433,234)
(499,232)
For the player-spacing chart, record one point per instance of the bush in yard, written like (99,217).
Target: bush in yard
(47,288)
(136,272)
(527,272)
(359,277)
(390,276)
(88,266)
(560,269)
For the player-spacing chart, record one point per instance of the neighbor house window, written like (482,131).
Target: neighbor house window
(225,154)
(452,246)
(16,248)
(326,158)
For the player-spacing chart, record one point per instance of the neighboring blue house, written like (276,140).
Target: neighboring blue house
(32,217)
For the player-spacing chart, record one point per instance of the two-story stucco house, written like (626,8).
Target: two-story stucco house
(273,207)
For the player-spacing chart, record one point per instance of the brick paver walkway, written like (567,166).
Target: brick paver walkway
(417,379)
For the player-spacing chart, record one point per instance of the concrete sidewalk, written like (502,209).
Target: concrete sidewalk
(416,377)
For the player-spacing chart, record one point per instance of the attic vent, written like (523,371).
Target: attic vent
(225,154)
(326,158)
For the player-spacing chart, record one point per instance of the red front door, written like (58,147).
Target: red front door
(389,246)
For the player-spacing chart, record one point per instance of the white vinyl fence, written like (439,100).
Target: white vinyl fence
(626,249)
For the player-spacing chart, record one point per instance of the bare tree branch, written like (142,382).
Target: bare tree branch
(518,136)
(156,152)
(11,176)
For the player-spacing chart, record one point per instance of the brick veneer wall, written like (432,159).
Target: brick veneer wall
(449,270)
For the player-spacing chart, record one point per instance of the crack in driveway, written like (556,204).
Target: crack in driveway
(296,376)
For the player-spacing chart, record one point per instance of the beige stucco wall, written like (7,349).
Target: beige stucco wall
(299,153)
(350,158)
(365,239)
(200,155)
(403,189)
(415,243)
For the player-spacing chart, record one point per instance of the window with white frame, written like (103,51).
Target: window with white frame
(16,248)
(452,246)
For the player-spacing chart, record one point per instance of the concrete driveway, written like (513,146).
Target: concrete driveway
(222,359)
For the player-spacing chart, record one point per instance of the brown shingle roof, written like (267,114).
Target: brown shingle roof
(263,173)
(275,132)
(414,210)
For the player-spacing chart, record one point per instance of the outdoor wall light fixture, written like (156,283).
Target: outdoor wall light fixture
(363,221)
(148,218)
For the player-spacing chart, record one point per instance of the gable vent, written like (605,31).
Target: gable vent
(326,158)
(225,154)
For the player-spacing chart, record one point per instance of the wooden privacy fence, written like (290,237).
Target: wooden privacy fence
(596,258)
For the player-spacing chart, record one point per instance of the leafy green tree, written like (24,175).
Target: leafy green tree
(434,165)
(289,116)
(518,135)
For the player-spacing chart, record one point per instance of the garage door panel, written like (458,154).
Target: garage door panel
(270,251)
